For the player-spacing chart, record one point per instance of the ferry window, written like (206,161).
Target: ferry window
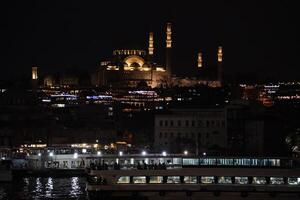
(190,179)
(259,180)
(241,180)
(225,180)
(274,162)
(156,179)
(173,179)
(190,161)
(276,181)
(224,161)
(254,162)
(177,161)
(207,179)
(293,181)
(207,161)
(139,179)
(123,179)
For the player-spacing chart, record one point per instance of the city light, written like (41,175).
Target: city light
(83,150)
(39,154)
(51,154)
(185,152)
(121,153)
(204,153)
(75,156)
(164,153)
(98,153)
(144,153)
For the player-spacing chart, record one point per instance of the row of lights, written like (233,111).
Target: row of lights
(144,153)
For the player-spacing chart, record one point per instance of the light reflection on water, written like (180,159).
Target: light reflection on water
(44,188)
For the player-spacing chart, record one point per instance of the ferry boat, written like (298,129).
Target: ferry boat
(184,177)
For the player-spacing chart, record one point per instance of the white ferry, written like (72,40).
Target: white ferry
(183,177)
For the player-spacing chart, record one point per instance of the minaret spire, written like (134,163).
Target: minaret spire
(200,61)
(168,49)
(151,46)
(220,67)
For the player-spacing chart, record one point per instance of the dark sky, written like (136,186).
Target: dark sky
(257,37)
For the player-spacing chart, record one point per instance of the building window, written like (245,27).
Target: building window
(193,135)
(160,134)
(166,134)
(186,122)
(207,179)
(171,123)
(241,180)
(223,123)
(193,123)
(160,123)
(179,134)
(179,123)
(171,134)
(199,123)
(166,123)
(276,181)
(207,123)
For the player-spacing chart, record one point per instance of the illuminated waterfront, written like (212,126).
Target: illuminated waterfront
(44,188)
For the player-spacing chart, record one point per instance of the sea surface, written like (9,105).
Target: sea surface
(44,188)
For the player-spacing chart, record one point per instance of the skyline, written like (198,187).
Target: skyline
(256,37)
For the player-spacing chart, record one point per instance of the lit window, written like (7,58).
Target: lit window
(156,179)
(293,181)
(207,179)
(173,179)
(225,180)
(259,180)
(190,179)
(123,179)
(276,181)
(139,179)
(241,180)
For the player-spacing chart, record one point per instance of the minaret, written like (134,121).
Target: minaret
(168,49)
(151,47)
(34,73)
(220,68)
(200,64)
(34,78)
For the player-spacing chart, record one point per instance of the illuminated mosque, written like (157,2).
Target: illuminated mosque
(131,67)
(136,67)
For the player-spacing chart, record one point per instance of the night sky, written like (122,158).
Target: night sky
(257,38)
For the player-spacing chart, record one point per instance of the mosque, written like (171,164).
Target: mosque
(135,67)
(132,67)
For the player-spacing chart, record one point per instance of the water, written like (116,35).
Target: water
(44,188)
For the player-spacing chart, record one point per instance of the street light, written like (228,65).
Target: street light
(51,154)
(98,153)
(144,153)
(164,153)
(75,156)
(204,153)
(83,150)
(186,152)
(39,154)
(121,153)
